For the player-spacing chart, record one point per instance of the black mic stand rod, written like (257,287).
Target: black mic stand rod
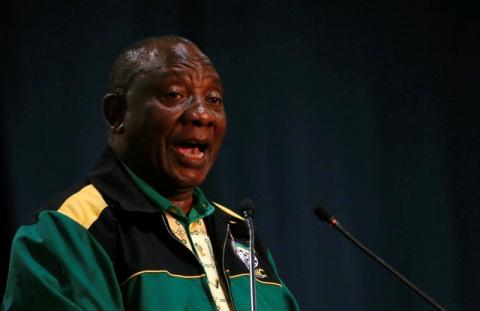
(323,215)
(248,207)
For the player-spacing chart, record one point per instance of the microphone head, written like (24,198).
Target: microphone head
(322,214)
(247,207)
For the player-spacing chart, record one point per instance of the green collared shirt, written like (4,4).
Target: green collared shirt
(201,206)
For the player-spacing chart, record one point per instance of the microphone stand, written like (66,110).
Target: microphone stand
(333,222)
(247,213)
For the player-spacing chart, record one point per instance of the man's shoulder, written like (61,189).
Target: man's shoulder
(81,203)
(83,206)
(64,219)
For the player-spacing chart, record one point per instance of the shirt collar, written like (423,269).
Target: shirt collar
(201,206)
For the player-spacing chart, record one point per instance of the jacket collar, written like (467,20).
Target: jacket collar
(111,179)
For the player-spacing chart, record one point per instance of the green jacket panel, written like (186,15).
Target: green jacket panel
(56,265)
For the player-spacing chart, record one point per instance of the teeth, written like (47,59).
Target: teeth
(202,146)
(191,152)
(194,153)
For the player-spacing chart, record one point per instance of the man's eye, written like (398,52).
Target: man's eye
(173,95)
(214,100)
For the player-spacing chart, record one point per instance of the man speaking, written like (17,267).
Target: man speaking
(139,234)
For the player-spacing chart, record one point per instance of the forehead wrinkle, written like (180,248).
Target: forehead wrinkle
(189,69)
(188,53)
(150,59)
(188,56)
(155,54)
(205,77)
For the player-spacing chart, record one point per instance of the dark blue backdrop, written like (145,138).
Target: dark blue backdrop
(369,108)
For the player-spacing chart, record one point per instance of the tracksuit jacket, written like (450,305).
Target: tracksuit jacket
(104,245)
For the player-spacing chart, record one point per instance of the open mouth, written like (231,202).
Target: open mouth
(194,150)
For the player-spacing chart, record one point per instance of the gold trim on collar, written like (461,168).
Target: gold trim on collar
(228,211)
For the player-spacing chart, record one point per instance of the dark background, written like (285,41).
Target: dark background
(367,107)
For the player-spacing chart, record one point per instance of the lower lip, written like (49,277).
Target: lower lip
(190,158)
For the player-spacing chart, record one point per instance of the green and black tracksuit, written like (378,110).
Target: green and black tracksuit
(106,246)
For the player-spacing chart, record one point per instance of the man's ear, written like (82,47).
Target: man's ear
(114,110)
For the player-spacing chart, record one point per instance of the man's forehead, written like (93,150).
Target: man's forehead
(179,74)
(163,56)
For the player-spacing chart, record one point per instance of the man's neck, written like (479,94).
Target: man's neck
(181,198)
(183,202)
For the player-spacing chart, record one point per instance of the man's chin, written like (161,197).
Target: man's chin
(188,178)
(189,183)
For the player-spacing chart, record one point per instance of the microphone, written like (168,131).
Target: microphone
(247,208)
(323,215)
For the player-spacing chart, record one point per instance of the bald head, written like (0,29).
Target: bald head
(152,54)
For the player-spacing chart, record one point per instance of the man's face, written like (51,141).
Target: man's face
(175,122)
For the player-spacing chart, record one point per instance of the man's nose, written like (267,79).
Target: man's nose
(198,113)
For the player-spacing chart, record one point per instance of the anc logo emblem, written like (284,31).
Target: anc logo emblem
(243,253)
